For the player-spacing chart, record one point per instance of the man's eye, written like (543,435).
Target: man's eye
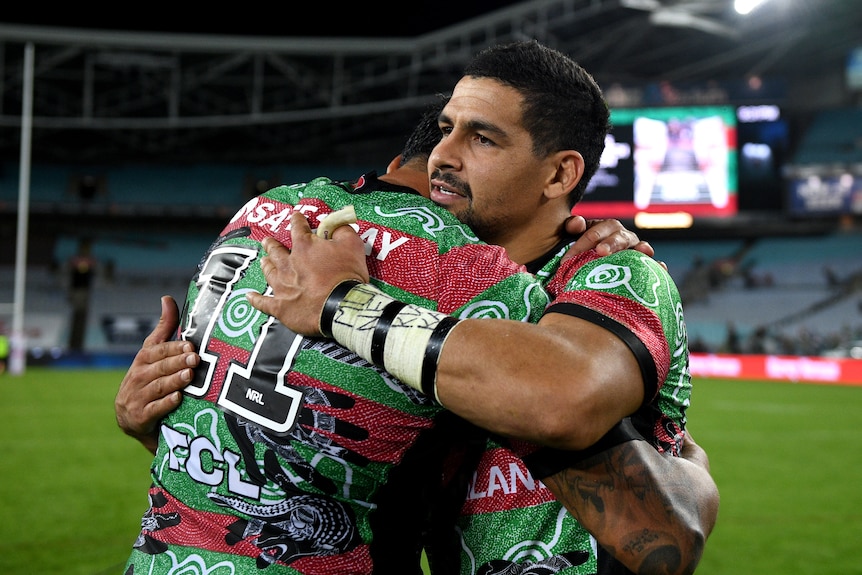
(483,140)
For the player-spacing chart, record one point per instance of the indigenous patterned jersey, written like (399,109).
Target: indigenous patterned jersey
(284,448)
(510,522)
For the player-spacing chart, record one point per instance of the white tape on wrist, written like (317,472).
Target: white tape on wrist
(404,339)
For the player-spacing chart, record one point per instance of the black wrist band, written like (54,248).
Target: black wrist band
(330,307)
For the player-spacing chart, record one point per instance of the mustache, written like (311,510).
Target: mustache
(452,181)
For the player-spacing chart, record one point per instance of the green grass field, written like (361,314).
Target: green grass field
(785,457)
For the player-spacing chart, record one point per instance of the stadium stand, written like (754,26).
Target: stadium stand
(834,137)
(166,187)
(804,293)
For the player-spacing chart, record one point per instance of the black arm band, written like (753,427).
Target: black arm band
(378,340)
(331,305)
(649,372)
(547,461)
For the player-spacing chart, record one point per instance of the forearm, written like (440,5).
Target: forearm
(651,512)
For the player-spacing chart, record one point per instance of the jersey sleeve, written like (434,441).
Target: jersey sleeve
(632,296)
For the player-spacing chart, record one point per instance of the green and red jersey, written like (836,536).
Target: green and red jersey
(294,452)
(510,522)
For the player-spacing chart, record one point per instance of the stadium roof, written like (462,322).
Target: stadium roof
(345,88)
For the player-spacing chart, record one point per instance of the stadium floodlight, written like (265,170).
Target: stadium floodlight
(746,6)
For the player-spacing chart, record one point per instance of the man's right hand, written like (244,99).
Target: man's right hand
(151,387)
(605,236)
(302,277)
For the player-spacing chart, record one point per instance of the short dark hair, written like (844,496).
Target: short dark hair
(563,105)
(426,134)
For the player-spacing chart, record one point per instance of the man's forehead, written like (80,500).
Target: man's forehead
(484,100)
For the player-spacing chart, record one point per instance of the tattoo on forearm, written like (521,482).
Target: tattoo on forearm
(635,506)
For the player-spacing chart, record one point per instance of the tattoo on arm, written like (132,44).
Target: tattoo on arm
(639,505)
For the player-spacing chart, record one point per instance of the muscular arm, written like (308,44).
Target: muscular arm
(651,512)
(482,382)
(562,382)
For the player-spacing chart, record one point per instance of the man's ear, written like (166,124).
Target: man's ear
(394,164)
(569,170)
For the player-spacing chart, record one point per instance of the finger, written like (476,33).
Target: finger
(590,240)
(645,248)
(274,248)
(148,382)
(335,220)
(603,229)
(267,267)
(348,240)
(146,378)
(299,227)
(617,241)
(343,231)
(576,225)
(152,355)
(159,408)
(173,381)
(277,255)
(261,302)
(168,323)
(176,364)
